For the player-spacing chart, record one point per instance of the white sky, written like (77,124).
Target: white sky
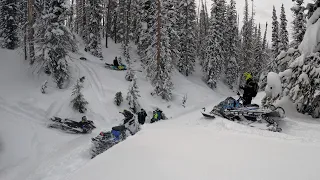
(263,10)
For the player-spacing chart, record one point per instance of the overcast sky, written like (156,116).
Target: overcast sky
(263,10)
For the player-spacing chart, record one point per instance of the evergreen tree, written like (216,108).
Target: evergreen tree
(132,96)
(79,103)
(284,35)
(146,22)
(173,29)
(55,40)
(118,99)
(275,33)
(111,5)
(126,54)
(93,29)
(246,58)
(203,32)
(232,42)
(299,23)
(121,21)
(8,23)
(264,41)
(258,53)
(187,34)
(214,61)
(158,57)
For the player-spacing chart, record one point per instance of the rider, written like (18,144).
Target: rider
(84,121)
(250,89)
(115,62)
(142,116)
(127,116)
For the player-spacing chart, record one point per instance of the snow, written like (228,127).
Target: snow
(298,62)
(29,150)
(191,147)
(304,78)
(186,146)
(273,88)
(286,73)
(312,35)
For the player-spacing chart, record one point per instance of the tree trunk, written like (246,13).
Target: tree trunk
(115,28)
(31,30)
(158,35)
(108,23)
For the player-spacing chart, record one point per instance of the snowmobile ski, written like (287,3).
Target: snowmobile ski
(208,115)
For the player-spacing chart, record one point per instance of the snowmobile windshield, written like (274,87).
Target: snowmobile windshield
(229,103)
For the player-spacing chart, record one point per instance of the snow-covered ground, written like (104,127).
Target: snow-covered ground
(186,146)
(29,150)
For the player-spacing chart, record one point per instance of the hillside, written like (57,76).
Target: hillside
(30,149)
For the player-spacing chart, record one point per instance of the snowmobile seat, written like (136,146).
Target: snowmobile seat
(252,105)
(119,128)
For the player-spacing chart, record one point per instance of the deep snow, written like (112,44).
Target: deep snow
(185,146)
(29,150)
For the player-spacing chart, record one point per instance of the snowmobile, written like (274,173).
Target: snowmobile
(121,67)
(266,118)
(106,140)
(71,126)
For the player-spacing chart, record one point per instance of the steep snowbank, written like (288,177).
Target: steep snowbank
(191,147)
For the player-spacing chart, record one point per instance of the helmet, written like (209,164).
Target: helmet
(84,118)
(247,76)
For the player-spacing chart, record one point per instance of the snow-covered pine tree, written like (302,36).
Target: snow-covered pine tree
(81,17)
(8,23)
(232,40)
(301,79)
(299,23)
(203,32)
(144,24)
(258,53)
(265,61)
(118,99)
(78,102)
(246,56)
(120,29)
(283,34)
(93,28)
(126,55)
(172,9)
(158,57)
(214,61)
(187,26)
(55,40)
(22,27)
(275,34)
(138,20)
(133,95)
(44,87)
(135,18)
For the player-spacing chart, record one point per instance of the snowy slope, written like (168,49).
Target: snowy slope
(29,150)
(185,146)
(191,147)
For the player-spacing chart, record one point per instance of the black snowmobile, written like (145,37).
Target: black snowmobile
(105,140)
(266,118)
(71,126)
